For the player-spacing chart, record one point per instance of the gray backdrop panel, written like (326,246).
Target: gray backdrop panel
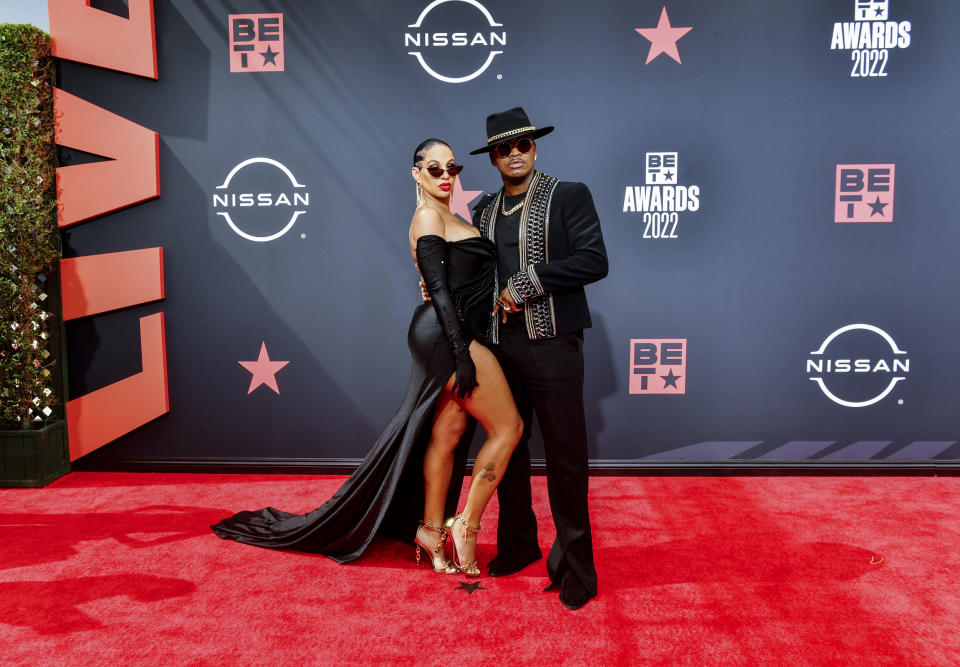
(760,113)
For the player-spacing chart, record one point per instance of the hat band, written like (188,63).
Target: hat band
(504,135)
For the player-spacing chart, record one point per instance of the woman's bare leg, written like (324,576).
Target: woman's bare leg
(492,404)
(449,423)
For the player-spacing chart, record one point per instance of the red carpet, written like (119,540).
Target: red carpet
(122,569)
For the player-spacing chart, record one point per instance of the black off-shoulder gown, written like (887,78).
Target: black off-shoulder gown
(385,496)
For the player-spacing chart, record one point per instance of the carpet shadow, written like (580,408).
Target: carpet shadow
(684,561)
(710,560)
(676,562)
(385,552)
(32,539)
(51,607)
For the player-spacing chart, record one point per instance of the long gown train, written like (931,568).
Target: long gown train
(385,494)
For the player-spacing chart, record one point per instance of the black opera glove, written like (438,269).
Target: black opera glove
(431,255)
(465,375)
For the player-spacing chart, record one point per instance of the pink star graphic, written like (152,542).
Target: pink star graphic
(460,201)
(663,38)
(264,370)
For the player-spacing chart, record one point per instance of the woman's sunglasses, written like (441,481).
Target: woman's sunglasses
(437,171)
(504,148)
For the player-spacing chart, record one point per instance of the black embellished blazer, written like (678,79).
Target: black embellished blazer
(561,250)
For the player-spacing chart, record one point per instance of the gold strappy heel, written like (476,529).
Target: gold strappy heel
(470,568)
(447,567)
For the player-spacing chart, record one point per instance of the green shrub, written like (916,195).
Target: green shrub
(29,240)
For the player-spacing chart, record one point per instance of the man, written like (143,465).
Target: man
(549,246)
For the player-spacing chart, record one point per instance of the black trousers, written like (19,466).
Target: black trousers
(546,377)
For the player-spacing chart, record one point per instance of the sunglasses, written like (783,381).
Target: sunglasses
(504,148)
(437,171)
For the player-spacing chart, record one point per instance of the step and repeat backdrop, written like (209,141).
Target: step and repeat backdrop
(775,183)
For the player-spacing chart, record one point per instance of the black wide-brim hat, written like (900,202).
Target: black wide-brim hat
(510,124)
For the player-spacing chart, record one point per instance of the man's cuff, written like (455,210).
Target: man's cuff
(524,285)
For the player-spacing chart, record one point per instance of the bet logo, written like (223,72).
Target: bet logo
(661,168)
(658,366)
(256,42)
(871,10)
(661,199)
(864,193)
(870,38)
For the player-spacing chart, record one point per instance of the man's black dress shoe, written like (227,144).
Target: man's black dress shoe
(573,595)
(502,567)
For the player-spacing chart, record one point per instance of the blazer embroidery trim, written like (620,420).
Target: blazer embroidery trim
(525,286)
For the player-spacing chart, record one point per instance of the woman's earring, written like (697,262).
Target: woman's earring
(419,194)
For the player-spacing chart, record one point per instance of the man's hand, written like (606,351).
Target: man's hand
(423,288)
(506,305)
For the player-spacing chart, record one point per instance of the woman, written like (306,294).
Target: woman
(453,375)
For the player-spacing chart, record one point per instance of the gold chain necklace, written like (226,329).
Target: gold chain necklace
(506,213)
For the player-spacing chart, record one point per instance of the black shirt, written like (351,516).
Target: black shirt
(508,240)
